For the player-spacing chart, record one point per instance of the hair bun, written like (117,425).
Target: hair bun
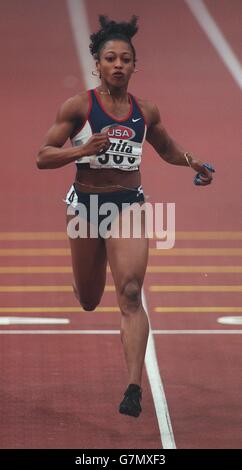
(127,29)
(110,28)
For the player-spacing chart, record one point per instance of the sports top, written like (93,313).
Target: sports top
(126,135)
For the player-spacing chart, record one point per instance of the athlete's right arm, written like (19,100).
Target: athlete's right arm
(51,154)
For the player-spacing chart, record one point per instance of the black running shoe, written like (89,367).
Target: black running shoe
(131,402)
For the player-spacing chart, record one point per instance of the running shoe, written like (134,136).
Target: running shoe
(131,402)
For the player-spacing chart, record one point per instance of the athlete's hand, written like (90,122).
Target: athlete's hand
(98,143)
(204,173)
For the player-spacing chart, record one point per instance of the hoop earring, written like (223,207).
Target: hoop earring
(94,72)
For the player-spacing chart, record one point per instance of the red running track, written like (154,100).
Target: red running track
(62,391)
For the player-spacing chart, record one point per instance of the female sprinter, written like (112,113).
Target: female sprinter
(107,127)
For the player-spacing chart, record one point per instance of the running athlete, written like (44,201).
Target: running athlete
(107,127)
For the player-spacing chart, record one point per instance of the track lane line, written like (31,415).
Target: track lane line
(152,252)
(197,309)
(180,235)
(111,288)
(194,288)
(150,269)
(117,332)
(174,309)
(216,37)
(80,29)
(46,288)
(32,321)
(55,309)
(157,389)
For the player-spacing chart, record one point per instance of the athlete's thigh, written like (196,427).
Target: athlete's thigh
(128,256)
(89,261)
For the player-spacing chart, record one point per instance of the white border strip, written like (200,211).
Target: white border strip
(197,332)
(59,332)
(81,33)
(33,321)
(157,389)
(209,26)
(117,332)
(79,24)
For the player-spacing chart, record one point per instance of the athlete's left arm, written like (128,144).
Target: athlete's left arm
(170,150)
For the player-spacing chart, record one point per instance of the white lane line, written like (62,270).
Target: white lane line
(117,332)
(230,320)
(80,28)
(209,26)
(59,332)
(197,332)
(157,390)
(79,25)
(33,321)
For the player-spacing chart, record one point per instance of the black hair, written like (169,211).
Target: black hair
(112,30)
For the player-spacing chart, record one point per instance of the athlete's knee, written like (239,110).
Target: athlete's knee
(130,296)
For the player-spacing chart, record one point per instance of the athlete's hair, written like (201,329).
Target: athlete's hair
(112,30)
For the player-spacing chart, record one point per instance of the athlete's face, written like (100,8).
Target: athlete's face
(116,63)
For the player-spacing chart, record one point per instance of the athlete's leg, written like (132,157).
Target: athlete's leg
(89,262)
(128,260)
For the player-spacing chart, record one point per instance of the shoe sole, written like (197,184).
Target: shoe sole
(125,411)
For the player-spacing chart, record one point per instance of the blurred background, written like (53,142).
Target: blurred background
(179,70)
